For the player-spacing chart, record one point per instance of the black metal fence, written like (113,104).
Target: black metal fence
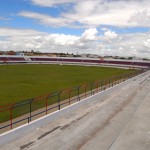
(26,111)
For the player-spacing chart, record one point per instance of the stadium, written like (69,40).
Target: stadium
(7,61)
(20,112)
(60,60)
(75,75)
(29,67)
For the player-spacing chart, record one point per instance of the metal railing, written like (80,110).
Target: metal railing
(26,111)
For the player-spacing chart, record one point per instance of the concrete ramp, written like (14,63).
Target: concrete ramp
(120,120)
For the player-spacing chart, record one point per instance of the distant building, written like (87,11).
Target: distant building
(90,56)
(11,53)
(19,53)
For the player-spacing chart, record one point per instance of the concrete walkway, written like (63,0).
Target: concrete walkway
(119,121)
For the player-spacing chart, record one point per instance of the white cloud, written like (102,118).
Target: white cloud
(17,39)
(12,32)
(90,34)
(104,29)
(110,35)
(3,18)
(141,17)
(93,13)
(45,19)
(147,43)
(87,42)
(50,3)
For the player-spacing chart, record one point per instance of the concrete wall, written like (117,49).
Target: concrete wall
(23,130)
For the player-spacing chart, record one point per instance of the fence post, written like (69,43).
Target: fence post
(91,88)
(30,109)
(128,76)
(79,93)
(116,79)
(59,101)
(28,119)
(109,82)
(69,96)
(104,84)
(97,86)
(85,90)
(101,85)
(119,78)
(11,117)
(46,103)
(112,80)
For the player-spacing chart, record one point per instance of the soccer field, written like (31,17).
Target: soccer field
(21,82)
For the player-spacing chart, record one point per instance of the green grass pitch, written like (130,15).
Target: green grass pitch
(20,82)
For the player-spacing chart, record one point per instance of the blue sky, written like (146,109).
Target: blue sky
(9,11)
(86,24)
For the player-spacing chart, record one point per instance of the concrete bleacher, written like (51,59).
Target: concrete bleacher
(115,119)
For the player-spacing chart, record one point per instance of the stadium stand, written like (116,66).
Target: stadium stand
(16,58)
(4,59)
(38,59)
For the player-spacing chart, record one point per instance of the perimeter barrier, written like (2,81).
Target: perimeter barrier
(26,111)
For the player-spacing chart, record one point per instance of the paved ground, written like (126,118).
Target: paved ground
(120,121)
